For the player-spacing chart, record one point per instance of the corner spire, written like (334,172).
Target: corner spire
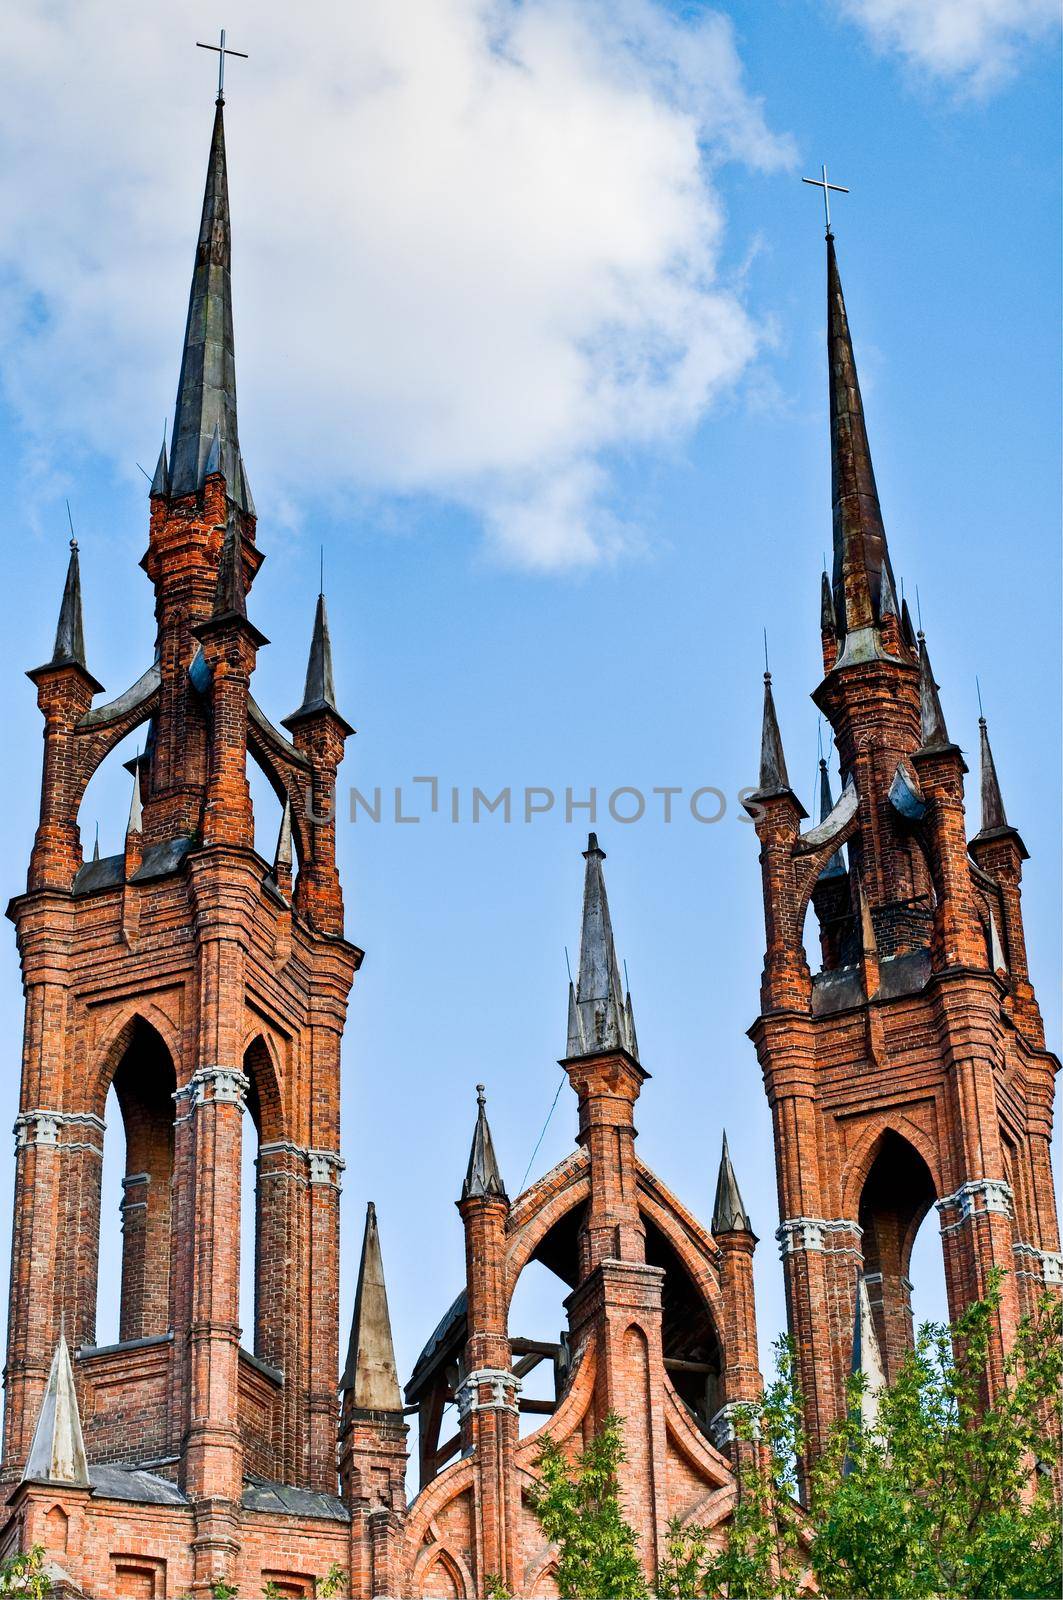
(319,691)
(136,805)
(282,859)
(600,1017)
(729,1215)
(160,483)
(993,815)
(205,413)
(69,648)
(773,776)
(369,1377)
(482,1179)
(57,1454)
(861,556)
(934,734)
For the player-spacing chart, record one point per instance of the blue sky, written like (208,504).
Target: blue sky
(541,364)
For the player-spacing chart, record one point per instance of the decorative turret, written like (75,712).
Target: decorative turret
(69,648)
(205,436)
(600,1016)
(57,1454)
(735,1240)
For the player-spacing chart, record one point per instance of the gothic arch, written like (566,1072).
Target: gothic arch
(897,1193)
(114,1042)
(865,1151)
(455,1580)
(265,1095)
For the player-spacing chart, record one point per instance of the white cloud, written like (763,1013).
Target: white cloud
(476,242)
(975,42)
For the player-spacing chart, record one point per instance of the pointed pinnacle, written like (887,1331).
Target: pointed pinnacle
(57,1453)
(70,633)
(728,1213)
(160,483)
(993,815)
(860,553)
(282,859)
(136,807)
(205,436)
(773,776)
(907,630)
(835,867)
(319,691)
(827,620)
(482,1179)
(934,734)
(369,1375)
(599,1017)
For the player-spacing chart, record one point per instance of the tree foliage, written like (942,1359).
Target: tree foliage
(578,1506)
(945,1496)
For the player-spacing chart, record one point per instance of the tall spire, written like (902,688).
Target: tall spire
(861,558)
(599,1015)
(369,1376)
(773,777)
(935,735)
(70,633)
(57,1454)
(728,1214)
(993,814)
(482,1179)
(206,389)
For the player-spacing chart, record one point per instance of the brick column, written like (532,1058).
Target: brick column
(487,1395)
(742,1382)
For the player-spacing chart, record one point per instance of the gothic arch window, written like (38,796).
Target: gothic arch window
(266,808)
(898,1193)
(441,1579)
(141,1092)
(105,803)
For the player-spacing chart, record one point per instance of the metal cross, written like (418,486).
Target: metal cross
(821,183)
(223,51)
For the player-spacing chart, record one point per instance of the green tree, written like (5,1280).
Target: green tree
(578,1507)
(25,1575)
(945,1496)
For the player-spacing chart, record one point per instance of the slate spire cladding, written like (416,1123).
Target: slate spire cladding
(931,717)
(482,1178)
(861,557)
(70,632)
(319,691)
(600,1016)
(729,1215)
(369,1377)
(993,813)
(57,1454)
(206,391)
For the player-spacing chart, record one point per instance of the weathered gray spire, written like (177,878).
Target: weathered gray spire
(867,1357)
(282,859)
(836,865)
(729,1215)
(319,692)
(935,735)
(483,1178)
(907,630)
(136,807)
(205,414)
(160,483)
(57,1454)
(369,1377)
(70,633)
(600,1017)
(827,620)
(993,815)
(773,777)
(861,557)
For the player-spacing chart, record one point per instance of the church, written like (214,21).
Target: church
(904,1061)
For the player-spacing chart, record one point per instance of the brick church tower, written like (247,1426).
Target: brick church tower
(910,1070)
(207,985)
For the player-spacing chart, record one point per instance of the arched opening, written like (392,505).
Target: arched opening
(251,1138)
(539,1341)
(103,814)
(141,1091)
(266,809)
(898,1194)
(269,1212)
(692,1356)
